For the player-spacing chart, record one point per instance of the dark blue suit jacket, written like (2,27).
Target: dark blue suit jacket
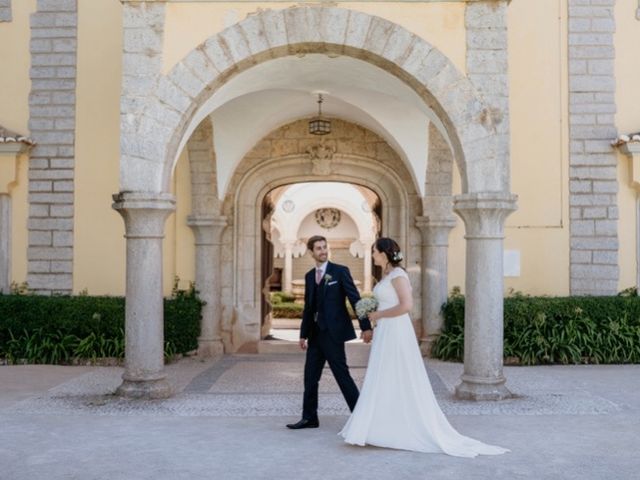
(336,286)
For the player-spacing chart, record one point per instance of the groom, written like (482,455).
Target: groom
(326,326)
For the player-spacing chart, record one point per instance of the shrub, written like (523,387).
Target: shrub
(58,329)
(544,330)
(287,310)
(281,297)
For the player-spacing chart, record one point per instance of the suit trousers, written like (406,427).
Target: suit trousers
(321,349)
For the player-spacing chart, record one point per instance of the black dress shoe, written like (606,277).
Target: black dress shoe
(304,423)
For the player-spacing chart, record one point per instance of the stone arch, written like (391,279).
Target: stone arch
(169,112)
(159,112)
(371,164)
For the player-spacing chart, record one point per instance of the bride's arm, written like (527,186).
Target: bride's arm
(405,304)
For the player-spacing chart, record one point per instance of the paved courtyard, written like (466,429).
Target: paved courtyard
(227,419)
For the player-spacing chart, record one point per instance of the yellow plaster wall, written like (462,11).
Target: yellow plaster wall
(539,153)
(178,247)
(538,122)
(627,224)
(441,24)
(15,61)
(627,38)
(15,85)
(99,246)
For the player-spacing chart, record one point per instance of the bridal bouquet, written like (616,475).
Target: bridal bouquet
(365,306)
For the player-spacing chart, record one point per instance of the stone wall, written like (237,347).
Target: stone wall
(294,139)
(438,201)
(592,173)
(488,69)
(52,105)
(202,163)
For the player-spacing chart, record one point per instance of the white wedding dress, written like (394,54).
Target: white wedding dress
(397,407)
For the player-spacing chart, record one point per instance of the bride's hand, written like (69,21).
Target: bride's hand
(373,316)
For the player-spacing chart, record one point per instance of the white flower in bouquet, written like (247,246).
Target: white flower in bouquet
(365,306)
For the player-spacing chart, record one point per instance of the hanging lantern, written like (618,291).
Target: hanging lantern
(319,125)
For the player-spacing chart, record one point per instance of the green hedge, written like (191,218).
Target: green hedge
(281,297)
(294,310)
(544,330)
(287,310)
(59,329)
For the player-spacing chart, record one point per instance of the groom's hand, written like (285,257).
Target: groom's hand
(367,336)
(303,343)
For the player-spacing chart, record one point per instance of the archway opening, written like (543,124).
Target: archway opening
(347,214)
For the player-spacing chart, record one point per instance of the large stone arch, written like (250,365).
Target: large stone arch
(159,112)
(152,139)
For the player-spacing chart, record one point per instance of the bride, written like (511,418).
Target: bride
(397,407)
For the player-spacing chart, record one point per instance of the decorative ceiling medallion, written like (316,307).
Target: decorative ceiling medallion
(288,206)
(328,217)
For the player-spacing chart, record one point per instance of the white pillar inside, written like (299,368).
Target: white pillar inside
(144,215)
(484,215)
(288,267)
(367,267)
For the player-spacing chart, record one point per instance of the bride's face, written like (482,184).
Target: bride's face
(379,258)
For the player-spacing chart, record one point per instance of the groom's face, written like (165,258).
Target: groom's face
(320,252)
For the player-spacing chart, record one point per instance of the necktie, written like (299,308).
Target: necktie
(318,276)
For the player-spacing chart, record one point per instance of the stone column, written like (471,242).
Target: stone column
(5,11)
(484,215)
(208,232)
(144,215)
(288,267)
(435,243)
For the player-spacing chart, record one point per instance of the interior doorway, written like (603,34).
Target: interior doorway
(348,215)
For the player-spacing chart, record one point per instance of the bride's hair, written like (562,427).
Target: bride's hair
(390,248)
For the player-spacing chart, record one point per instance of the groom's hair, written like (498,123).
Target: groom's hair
(316,238)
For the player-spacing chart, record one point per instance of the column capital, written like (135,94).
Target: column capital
(144,213)
(484,213)
(435,230)
(207,229)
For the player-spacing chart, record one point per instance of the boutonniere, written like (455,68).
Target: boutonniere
(327,278)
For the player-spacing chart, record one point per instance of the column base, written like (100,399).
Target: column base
(210,348)
(426,346)
(145,389)
(482,389)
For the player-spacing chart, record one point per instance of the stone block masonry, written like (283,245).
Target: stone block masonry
(51,166)
(592,172)
(5,11)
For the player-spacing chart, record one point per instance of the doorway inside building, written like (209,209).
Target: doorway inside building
(348,215)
